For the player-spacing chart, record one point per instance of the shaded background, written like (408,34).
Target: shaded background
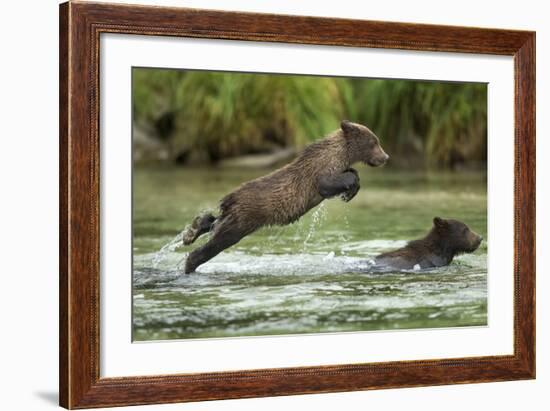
(193,117)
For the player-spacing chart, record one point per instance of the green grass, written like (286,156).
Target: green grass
(217,115)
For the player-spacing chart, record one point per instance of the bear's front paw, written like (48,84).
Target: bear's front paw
(350,193)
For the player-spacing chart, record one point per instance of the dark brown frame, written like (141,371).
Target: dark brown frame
(80,27)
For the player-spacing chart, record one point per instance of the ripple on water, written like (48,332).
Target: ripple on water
(239,293)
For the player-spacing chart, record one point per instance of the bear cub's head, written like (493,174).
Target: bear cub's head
(456,236)
(364,144)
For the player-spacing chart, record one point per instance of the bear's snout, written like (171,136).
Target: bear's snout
(476,242)
(378,160)
(383,159)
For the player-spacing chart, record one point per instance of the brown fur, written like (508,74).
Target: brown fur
(286,194)
(283,196)
(446,239)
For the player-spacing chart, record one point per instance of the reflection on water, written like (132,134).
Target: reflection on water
(312,276)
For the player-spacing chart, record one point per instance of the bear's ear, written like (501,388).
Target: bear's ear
(347,126)
(439,222)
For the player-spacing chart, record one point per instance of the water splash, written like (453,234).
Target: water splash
(317,218)
(344,234)
(161,255)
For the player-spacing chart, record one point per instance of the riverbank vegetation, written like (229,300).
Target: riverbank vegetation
(196,116)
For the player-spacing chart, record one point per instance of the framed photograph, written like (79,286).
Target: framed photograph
(259,205)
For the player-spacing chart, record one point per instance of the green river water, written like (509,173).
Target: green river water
(308,277)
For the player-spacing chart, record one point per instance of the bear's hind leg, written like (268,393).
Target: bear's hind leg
(224,237)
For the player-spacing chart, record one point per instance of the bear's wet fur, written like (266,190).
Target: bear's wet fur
(446,239)
(323,170)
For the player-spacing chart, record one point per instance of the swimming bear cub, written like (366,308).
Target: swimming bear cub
(446,239)
(323,170)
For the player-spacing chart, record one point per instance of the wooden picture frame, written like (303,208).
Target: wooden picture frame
(80,27)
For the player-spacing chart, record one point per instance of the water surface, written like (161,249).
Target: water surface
(312,276)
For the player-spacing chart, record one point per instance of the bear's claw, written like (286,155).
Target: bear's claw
(200,225)
(352,192)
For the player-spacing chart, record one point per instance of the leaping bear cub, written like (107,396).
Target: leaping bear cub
(323,170)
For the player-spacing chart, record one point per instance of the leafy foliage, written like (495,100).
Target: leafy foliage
(219,114)
(439,121)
